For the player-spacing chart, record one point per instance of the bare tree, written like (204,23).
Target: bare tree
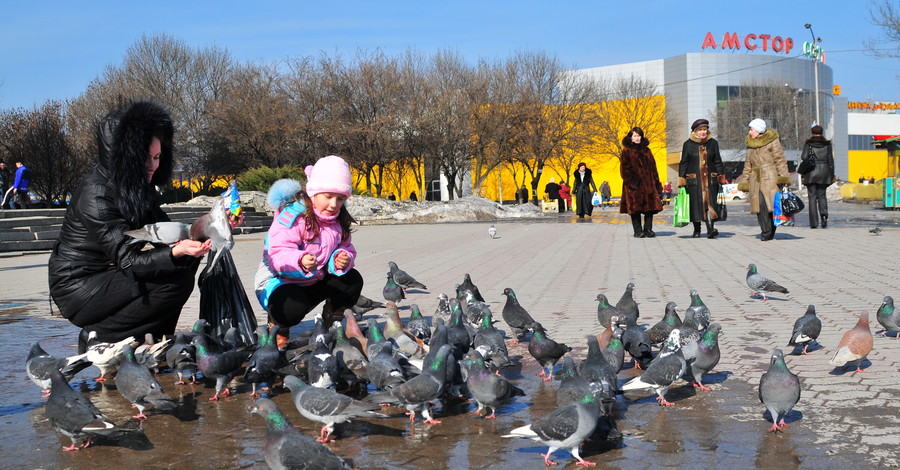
(784,109)
(885,14)
(310,106)
(631,102)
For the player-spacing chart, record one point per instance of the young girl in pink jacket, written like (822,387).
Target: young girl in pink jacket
(309,256)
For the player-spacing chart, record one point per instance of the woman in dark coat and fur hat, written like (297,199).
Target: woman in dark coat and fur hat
(701,172)
(820,178)
(640,183)
(99,277)
(583,188)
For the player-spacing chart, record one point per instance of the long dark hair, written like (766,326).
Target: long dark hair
(312,222)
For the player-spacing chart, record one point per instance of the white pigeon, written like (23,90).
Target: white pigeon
(106,356)
(214,226)
(168,233)
(492,232)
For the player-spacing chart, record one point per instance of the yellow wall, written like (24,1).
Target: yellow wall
(867,163)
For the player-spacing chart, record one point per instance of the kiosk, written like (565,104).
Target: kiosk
(892,176)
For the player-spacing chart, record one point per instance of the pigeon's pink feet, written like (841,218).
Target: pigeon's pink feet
(548,378)
(432,421)
(46,393)
(782,424)
(215,397)
(412,417)
(100,379)
(492,415)
(585,463)
(543,373)
(858,369)
(662,402)
(703,387)
(547,460)
(70,448)
(774,428)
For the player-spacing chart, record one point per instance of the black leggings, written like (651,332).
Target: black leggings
(289,303)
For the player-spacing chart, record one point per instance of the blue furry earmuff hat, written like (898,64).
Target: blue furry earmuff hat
(283,192)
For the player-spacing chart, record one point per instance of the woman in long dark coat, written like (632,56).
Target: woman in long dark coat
(584,188)
(701,172)
(820,178)
(640,183)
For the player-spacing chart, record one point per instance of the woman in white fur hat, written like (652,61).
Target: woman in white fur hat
(765,169)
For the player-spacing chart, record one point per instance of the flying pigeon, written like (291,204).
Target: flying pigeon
(167,233)
(468,285)
(365,304)
(181,357)
(564,428)
(220,366)
(137,385)
(487,388)
(546,351)
(106,356)
(626,304)
(419,391)
(779,390)
(214,226)
(659,332)
(698,313)
(392,291)
(40,363)
(515,316)
(855,345)
(605,311)
(327,406)
(806,329)
(418,324)
(664,371)
(703,355)
(403,278)
(887,318)
(492,232)
(287,448)
(760,284)
(73,414)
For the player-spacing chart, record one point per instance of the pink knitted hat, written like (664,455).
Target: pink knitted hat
(331,174)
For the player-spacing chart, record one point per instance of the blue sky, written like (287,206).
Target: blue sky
(53,49)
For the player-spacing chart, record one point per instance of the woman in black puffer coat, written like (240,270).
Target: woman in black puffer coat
(99,277)
(820,178)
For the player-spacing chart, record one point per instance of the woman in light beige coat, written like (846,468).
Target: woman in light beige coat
(765,169)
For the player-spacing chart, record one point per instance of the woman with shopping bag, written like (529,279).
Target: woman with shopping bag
(701,173)
(765,169)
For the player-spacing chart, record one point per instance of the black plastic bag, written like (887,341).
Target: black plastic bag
(223,302)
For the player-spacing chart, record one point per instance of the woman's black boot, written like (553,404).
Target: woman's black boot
(648,226)
(636,223)
(711,231)
(696,230)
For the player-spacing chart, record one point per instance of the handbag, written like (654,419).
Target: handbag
(682,215)
(790,203)
(721,208)
(808,164)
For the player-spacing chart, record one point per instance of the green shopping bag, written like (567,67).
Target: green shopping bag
(682,215)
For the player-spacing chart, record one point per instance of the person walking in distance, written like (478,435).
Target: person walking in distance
(820,177)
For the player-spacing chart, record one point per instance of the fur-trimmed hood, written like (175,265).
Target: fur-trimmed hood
(766,138)
(626,142)
(818,141)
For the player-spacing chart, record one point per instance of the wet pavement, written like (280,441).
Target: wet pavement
(843,420)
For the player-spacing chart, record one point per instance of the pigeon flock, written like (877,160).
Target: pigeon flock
(355,369)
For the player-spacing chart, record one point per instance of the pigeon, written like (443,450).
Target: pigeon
(565,428)
(419,391)
(181,357)
(322,366)
(452,373)
(604,336)
(443,308)
(614,352)
(265,360)
(659,332)
(418,325)
(492,232)
(457,334)
(405,280)
(887,318)
(106,356)
(347,355)
(806,329)
(354,334)
(40,363)
(408,344)
(596,369)
(701,356)
(626,305)
(605,311)
(374,338)
(572,386)
(779,390)
(875,230)
(392,291)
(490,343)
(474,309)
(546,351)
(636,342)
(152,354)
(168,233)
(221,366)
(487,388)
(664,371)
(137,385)
(698,313)
(468,285)
(327,406)
(383,370)
(365,304)
(515,316)
(73,414)
(855,345)
(760,284)
(287,448)
(214,226)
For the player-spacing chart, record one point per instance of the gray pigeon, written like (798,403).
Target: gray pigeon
(167,233)
(152,354)
(216,227)
(806,329)
(572,386)
(887,318)
(265,360)
(392,291)
(760,284)
(219,366)
(545,351)
(779,390)
(365,304)
(490,343)
(181,357)
(564,428)
(697,313)
(327,406)
(664,371)
(597,370)
(605,311)
(73,414)
(487,388)
(40,363)
(636,342)
(383,370)
(626,304)
(458,335)
(703,355)
(515,316)
(418,324)
(659,332)
(403,278)
(468,285)
(287,448)
(419,391)
(137,385)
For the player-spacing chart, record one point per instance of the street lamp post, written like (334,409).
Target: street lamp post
(815,50)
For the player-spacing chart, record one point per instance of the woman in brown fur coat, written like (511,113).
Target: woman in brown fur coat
(640,183)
